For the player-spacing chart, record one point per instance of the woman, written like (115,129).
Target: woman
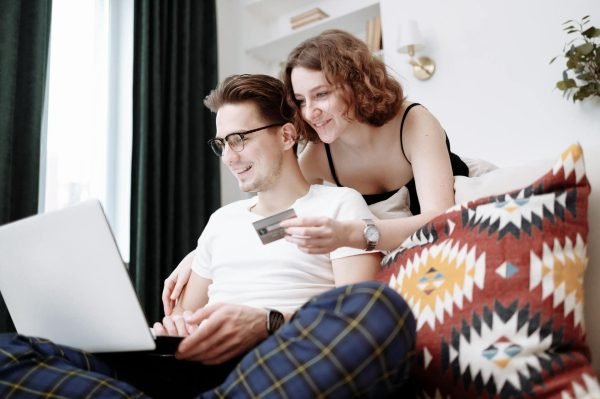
(362,133)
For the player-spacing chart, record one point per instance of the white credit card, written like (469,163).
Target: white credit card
(268,229)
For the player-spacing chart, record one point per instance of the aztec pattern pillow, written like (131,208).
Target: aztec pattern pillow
(496,286)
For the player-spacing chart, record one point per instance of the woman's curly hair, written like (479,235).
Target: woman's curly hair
(349,66)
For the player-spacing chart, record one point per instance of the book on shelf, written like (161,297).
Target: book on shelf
(369,38)
(377,35)
(313,15)
(374,37)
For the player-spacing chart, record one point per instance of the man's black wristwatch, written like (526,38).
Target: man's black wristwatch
(275,320)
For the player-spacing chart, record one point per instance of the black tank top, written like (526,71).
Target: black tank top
(459,168)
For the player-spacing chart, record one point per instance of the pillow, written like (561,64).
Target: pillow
(396,206)
(496,287)
(498,181)
(478,167)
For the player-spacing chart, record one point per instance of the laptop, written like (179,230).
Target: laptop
(62,278)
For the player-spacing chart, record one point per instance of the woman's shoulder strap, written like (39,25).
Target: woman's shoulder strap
(331,167)
(402,128)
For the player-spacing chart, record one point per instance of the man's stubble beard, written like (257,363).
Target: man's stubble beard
(265,183)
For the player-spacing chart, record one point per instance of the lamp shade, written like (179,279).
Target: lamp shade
(409,35)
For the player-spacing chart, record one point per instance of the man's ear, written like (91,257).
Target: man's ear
(290,136)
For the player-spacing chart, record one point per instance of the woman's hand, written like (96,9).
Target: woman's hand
(175,283)
(321,235)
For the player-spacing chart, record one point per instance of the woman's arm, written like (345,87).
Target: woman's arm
(424,142)
(175,283)
(356,269)
(320,235)
(193,297)
(425,148)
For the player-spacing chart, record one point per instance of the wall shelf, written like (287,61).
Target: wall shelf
(276,49)
(270,9)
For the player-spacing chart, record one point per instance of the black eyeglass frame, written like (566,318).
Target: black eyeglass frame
(242,135)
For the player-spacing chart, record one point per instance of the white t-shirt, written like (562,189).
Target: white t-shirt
(276,275)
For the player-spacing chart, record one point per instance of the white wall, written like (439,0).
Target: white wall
(493,90)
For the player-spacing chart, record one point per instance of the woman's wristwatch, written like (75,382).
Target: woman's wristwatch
(371,234)
(275,319)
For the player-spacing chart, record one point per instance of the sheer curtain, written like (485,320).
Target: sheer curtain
(88,142)
(96,131)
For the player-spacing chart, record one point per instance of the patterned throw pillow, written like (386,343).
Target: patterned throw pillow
(496,286)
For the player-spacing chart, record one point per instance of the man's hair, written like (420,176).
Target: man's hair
(266,92)
(349,66)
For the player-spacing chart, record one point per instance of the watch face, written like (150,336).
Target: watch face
(372,234)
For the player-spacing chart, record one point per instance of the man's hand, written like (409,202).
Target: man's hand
(174,325)
(224,331)
(175,283)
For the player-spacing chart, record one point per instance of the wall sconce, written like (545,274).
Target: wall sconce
(410,41)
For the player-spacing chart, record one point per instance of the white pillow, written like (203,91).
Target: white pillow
(478,167)
(499,181)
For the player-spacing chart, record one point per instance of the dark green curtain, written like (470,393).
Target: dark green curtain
(24,39)
(175,178)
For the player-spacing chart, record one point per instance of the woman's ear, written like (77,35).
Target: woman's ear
(290,135)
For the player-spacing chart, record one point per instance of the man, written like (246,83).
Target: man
(350,341)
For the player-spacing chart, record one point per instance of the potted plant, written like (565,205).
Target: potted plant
(581,78)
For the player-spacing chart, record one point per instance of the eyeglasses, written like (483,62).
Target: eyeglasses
(234,140)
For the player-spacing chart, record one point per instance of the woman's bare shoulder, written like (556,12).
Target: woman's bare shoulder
(421,123)
(418,115)
(422,134)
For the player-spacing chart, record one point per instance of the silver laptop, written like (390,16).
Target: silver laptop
(62,278)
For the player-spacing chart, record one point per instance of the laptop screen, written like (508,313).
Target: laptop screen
(62,278)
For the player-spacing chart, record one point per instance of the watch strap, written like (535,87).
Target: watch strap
(275,320)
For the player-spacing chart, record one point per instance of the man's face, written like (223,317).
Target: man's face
(258,166)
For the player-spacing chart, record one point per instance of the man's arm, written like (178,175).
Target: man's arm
(217,332)
(355,269)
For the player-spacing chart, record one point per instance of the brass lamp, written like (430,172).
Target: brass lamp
(410,41)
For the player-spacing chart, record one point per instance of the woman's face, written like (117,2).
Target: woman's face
(320,103)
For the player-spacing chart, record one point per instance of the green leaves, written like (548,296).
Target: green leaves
(591,32)
(585,48)
(566,84)
(581,78)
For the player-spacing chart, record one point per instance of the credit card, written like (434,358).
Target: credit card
(268,229)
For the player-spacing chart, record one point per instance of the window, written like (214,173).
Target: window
(88,137)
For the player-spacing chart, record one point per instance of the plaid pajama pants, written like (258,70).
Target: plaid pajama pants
(353,341)
(37,368)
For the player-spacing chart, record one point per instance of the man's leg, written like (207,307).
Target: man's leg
(34,368)
(353,341)
(165,377)
(37,368)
